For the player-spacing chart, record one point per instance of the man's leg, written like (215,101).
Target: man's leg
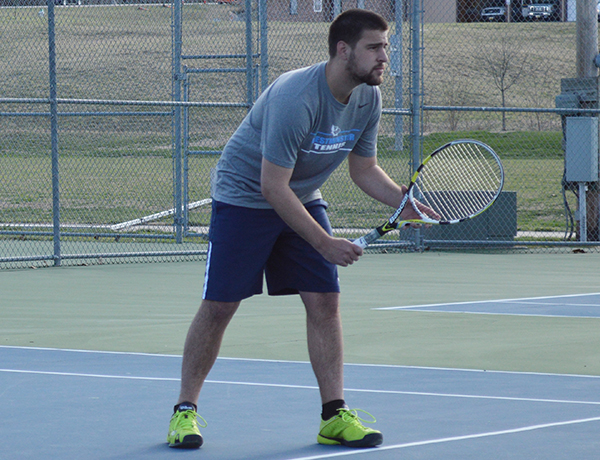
(200,352)
(325,342)
(202,346)
(339,425)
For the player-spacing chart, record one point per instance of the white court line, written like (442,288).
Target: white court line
(551,304)
(522,299)
(493,313)
(72,350)
(97,376)
(137,353)
(450,439)
(307,387)
(283,361)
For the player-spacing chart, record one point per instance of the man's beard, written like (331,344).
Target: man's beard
(368,77)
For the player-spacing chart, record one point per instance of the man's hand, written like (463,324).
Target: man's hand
(409,212)
(340,251)
(276,190)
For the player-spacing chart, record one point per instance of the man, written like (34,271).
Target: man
(269,219)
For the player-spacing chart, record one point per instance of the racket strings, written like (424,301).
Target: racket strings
(478,188)
(489,175)
(459,181)
(454,204)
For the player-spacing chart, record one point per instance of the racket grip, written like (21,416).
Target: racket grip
(366,240)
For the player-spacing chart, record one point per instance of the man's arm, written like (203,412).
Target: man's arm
(275,188)
(374,181)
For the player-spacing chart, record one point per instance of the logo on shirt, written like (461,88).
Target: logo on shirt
(332,142)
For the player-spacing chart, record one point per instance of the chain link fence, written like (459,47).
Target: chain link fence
(113,114)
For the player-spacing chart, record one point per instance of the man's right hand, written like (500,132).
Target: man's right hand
(340,251)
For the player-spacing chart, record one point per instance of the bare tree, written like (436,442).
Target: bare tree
(538,91)
(505,63)
(453,93)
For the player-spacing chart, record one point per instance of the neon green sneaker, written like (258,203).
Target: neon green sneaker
(183,429)
(346,429)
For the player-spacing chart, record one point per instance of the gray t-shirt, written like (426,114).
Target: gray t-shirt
(297,123)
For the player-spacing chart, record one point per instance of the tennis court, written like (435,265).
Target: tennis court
(458,356)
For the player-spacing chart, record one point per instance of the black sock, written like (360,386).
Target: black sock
(185,406)
(330,409)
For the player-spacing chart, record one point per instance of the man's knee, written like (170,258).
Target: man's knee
(218,311)
(322,305)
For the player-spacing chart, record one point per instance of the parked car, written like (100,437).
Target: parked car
(494,13)
(541,11)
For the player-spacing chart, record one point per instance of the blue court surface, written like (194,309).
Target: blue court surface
(579,305)
(67,404)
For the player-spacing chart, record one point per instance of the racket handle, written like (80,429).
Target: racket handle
(361,242)
(373,235)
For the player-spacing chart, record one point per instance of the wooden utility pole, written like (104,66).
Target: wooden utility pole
(587,38)
(587,49)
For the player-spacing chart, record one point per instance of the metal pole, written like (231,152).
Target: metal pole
(185,151)
(54,134)
(416,108)
(416,102)
(396,58)
(582,211)
(249,70)
(264,48)
(176,96)
(337,8)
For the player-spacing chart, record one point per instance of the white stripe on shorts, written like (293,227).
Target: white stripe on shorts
(207,267)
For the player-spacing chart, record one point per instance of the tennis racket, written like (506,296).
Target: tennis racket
(458,181)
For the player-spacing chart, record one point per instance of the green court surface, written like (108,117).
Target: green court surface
(148,308)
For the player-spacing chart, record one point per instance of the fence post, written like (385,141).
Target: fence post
(249,56)
(264,49)
(176,121)
(54,134)
(416,100)
(337,8)
(396,67)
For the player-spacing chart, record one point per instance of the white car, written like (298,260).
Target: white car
(494,13)
(542,12)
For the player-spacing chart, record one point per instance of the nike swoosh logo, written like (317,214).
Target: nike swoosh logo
(363,105)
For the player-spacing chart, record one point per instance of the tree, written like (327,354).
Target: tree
(505,64)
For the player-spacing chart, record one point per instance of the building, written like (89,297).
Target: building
(434,11)
(325,10)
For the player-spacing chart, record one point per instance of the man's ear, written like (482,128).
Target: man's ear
(343,50)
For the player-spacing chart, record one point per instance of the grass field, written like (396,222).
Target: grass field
(121,180)
(116,168)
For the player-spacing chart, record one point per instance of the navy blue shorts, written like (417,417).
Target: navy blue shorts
(248,245)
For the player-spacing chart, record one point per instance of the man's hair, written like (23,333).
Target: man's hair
(350,25)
